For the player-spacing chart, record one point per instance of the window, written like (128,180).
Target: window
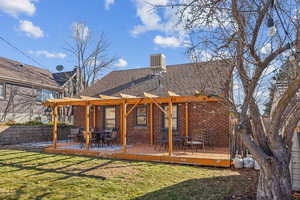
(39,95)
(174,117)
(110,118)
(44,95)
(2,91)
(141,116)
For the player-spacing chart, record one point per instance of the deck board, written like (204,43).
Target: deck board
(218,157)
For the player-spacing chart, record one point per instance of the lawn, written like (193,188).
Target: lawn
(34,175)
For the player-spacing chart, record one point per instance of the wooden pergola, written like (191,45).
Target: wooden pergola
(123,102)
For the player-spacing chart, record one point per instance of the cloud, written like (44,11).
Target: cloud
(164,20)
(30,29)
(149,17)
(108,3)
(121,63)
(47,54)
(167,41)
(80,31)
(17,7)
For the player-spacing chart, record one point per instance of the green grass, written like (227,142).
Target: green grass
(33,175)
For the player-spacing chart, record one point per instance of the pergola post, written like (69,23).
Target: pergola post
(170,128)
(54,121)
(186,119)
(94,116)
(87,125)
(121,124)
(124,118)
(151,123)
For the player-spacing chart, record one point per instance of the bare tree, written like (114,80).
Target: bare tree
(91,55)
(255,38)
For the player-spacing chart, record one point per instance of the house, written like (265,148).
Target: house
(23,88)
(183,80)
(281,84)
(152,103)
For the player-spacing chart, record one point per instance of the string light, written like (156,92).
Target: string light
(270,22)
(292,58)
(272,31)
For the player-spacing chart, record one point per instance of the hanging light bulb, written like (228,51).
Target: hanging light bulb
(272,31)
(270,23)
(292,58)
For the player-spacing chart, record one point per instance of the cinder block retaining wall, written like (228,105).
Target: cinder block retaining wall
(30,134)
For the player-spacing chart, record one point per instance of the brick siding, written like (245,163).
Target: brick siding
(208,117)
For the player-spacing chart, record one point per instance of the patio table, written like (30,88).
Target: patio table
(100,136)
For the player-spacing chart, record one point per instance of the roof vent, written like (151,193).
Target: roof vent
(158,63)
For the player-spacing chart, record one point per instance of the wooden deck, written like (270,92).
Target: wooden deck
(217,157)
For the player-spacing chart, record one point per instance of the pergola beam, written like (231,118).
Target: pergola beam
(148,95)
(127,96)
(70,98)
(161,108)
(89,98)
(149,98)
(133,107)
(107,97)
(172,94)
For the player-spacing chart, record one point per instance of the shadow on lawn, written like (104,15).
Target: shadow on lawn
(220,187)
(56,171)
(31,156)
(60,170)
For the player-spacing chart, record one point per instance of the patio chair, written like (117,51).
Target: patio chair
(81,138)
(194,142)
(161,140)
(208,139)
(112,139)
(73,136)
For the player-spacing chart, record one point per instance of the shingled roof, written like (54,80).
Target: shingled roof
(183,79)
(62,77)
(19,73)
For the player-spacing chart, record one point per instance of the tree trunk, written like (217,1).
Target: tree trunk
(274,182)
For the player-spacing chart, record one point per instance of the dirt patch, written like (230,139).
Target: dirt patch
(249,191)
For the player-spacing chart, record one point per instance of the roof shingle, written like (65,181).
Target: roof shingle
(22,73)
(184,79)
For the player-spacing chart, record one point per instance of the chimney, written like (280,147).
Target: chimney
(158,63)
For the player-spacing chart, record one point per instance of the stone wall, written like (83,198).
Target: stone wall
(30,134)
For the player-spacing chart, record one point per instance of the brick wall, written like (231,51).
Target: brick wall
(208,117)
(30,134)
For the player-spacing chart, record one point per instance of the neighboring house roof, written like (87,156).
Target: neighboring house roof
(27,75)
(62,77)
(183,79)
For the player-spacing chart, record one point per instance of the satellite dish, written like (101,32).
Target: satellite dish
(59,68)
